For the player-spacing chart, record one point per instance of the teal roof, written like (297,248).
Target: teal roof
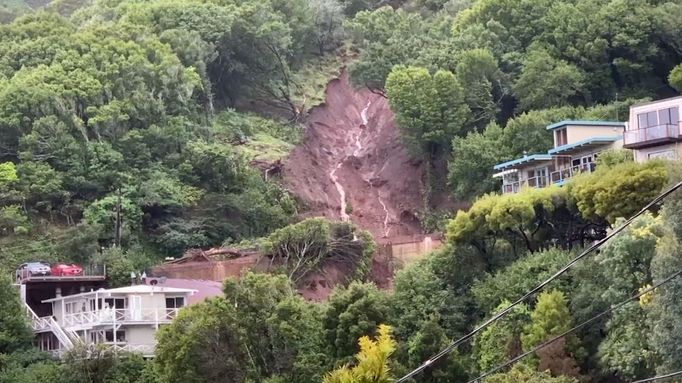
(585,123)
(588,142)
(523,160)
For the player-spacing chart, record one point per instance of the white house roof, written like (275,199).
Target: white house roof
(505,172)
(136,289)
(148,289)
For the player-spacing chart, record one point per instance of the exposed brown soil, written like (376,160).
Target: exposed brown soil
(352,164)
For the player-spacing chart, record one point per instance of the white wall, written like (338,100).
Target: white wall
(142,334)
(669,151)
(577,133)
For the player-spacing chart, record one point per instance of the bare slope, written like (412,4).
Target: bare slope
(352,165)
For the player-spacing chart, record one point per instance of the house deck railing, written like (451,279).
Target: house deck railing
(656,133)
(561,175)
(533,182)
(119,316)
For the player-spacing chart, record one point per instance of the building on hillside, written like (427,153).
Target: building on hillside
(655,130)
(125,318)
(577,145)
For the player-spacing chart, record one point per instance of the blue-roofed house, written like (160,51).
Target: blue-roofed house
(527,171)
(577,145)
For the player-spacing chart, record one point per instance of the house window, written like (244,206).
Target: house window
(667,116)
(175,302)
(120,336)
(115,303)
(561,137)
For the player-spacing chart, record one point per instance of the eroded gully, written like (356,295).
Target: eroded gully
(356,136)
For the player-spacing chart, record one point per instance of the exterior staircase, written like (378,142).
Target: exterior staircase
(67,339)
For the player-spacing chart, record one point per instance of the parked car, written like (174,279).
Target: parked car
(32,269)
(63,270)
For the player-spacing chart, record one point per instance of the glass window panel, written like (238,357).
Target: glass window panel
(674,115)
(664,116)
(652,118)
(641,118)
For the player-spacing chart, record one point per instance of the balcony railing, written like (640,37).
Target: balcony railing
(119,316)
(533,182)
(652,135)
(562,175)
(511,187)
(144,349)
(90,272)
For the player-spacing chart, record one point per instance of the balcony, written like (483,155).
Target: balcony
(90,273)
(652,136)
(562,175)
(533,182)
(90,319)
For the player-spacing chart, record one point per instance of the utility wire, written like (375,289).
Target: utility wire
(578,327)
(539,287)
(655,378)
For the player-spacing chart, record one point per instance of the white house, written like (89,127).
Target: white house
(125,318)
(655,130)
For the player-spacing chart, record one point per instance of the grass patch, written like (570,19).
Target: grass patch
(313,76)
(255,137)
(264,147)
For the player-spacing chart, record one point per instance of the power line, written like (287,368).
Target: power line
(655,378)
(539,287)
(578,327)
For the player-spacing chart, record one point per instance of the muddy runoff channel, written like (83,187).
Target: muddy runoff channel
(357,136)
(353,167)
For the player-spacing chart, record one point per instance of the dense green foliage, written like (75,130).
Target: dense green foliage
(259,330)
(564,217)
(551,59)
(155,110)
(372,361)
(115,109)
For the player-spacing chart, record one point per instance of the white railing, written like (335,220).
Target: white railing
(562,175)
(119,316)
(537,182)
(80,319)
(41,324)
(511,187)
(144,349)
(533,182)
(37,323)
(64,339)
(652,133)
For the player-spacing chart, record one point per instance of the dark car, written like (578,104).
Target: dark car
(66,270)
(33,269)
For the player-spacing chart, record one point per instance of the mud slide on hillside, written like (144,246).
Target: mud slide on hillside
(352,165)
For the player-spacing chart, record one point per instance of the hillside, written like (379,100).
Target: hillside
(308,138)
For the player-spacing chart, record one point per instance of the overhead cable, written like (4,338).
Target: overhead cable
(539,287)
(578,327)
(661,377)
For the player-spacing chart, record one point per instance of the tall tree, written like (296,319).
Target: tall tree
(430,109)
(372,361)
(15,334)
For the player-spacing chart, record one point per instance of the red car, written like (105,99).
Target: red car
(64,270)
